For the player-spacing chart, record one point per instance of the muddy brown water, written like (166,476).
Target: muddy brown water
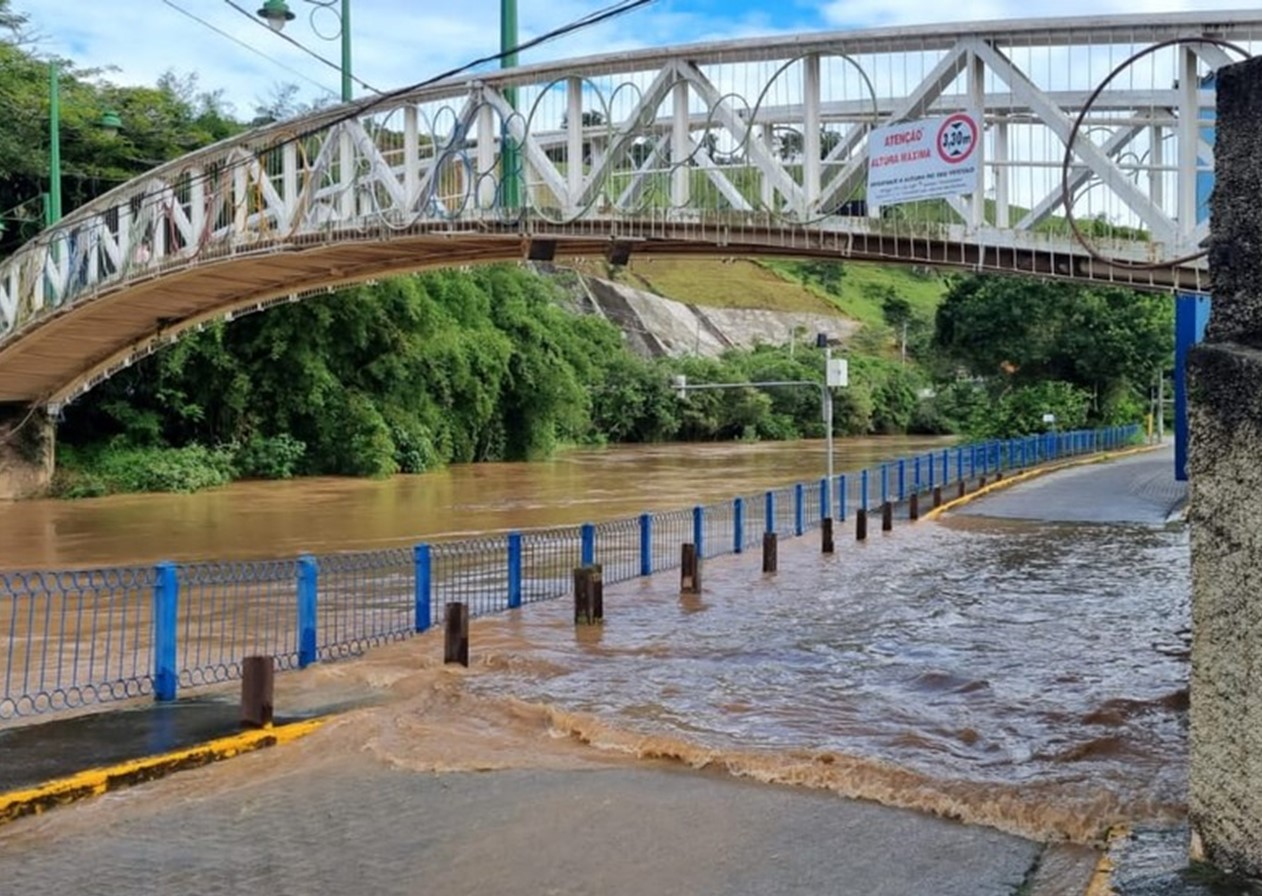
(1024,675)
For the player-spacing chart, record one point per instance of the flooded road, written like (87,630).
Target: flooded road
(320,515)
(1020,673)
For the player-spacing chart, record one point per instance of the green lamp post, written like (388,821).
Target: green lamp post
(277,13)
(109,123)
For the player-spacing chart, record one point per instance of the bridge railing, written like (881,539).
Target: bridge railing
(79,637)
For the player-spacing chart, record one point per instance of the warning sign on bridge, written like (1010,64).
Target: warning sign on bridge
(925,159)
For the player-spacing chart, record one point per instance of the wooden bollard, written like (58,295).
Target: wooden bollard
(887,517)
(257,676)
(860,524)
(913,507)
(456,634)
(769,557)
(589,595)
(689,570)
(826,535)
(937,496)
(998,475)
(962,490)
(981,483)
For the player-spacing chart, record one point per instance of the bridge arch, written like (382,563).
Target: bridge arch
(734,148)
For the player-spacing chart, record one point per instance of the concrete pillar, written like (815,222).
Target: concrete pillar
(27,440)
(1225,466)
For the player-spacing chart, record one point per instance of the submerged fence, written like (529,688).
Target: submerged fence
(86,636)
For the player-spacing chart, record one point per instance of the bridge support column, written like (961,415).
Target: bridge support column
(1225,794)
(27,438)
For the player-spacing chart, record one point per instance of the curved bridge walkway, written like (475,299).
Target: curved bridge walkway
(737,148)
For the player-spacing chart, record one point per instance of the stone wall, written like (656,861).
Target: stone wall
(1225,470)
(26,453)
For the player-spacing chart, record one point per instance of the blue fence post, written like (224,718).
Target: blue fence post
(863,489)
(698,529)
(932,466)
(916,474)
(959,464)
(885,483)
(841,497)
(308,597)
(825,498)
(587,546)
(902,478)
(946,465)
(646,544)
(799,509)
(514,570)
(738,525)
(424,586)
(166,612)
(769,512)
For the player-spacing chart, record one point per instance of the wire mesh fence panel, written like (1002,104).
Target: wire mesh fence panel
(228,611)
(784,511)
(670,530)
(365,598)
(811,502)
(75,637)
(473,572)
(718,521)
(754,524)
(618,549)
(548,560)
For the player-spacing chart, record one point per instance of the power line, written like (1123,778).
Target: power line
(301,46)
(254,50)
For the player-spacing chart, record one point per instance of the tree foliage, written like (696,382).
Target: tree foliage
(1031,340)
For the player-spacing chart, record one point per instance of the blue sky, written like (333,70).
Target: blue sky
(399,42)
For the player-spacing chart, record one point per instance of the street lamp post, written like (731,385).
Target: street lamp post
(109,123)
(277,13)
(52,211)
(509,154)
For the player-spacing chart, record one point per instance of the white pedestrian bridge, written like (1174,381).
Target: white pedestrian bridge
(1095,148)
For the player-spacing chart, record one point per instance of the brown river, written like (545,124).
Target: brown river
(1024,675)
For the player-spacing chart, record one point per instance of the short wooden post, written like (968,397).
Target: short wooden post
(689,569)
(937,496)
(456,633)
(861,524)
(769,558)
(257,676)
(887,517)
(913,507)
(998,475)
(962,489)
(589,595)
(981,482)
(826,535)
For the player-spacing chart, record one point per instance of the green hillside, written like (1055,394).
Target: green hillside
(845,288)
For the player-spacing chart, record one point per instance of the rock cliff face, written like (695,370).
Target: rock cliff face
(656,326)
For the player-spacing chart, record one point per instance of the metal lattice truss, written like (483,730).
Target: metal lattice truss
(752,147)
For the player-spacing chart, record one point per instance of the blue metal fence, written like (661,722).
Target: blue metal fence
(87,636)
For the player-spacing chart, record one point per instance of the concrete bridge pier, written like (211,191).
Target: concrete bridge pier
(1225,467)
(27,440)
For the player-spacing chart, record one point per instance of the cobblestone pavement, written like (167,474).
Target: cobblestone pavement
(1136,489)
(363,828)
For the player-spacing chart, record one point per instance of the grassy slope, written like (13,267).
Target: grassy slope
(771,284)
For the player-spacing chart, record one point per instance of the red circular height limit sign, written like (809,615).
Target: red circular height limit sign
(957,138)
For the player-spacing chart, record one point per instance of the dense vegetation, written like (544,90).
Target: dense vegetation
(420,371)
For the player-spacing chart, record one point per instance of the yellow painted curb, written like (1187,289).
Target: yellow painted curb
(93,781)
(1031,474)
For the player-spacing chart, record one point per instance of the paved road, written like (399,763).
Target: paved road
(1136,489)
(364,828)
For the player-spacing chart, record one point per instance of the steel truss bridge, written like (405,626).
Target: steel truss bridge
(754,147)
